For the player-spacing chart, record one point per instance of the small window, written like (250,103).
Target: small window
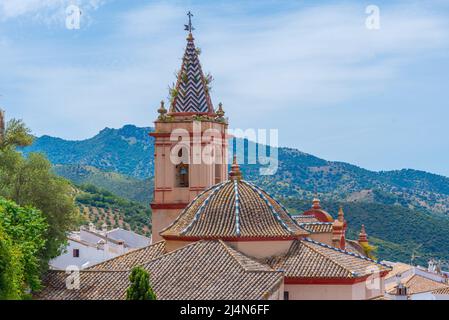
(182,175)
(286,295)
(76,253)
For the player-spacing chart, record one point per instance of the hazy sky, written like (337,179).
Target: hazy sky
(333,88)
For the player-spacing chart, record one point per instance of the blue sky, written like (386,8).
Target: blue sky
(333,88)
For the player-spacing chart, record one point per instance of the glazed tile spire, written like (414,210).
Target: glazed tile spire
(191,94)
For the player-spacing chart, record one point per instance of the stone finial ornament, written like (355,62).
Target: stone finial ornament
(162,112)
(235,173)
(220,112)
(363,237)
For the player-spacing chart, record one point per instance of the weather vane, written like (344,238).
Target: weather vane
(188,27)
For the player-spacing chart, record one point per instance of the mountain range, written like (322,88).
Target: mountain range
(130,151)
(406,211)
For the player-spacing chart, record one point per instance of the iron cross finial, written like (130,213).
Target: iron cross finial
(188,27)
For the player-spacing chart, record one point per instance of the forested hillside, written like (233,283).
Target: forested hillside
(130,151)
(123,186)
(397,231)
(103,207)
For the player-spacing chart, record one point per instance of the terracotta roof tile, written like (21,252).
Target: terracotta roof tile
(354,247)
(310,259)
(419,284)
(444,291)
(304,219)
(93,285)
(211,270)
(398,268)
(317,227)
(132,258)
(201,270)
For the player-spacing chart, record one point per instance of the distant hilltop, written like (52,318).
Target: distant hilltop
(129,151)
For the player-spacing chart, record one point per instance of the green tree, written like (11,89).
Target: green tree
(16,135)
(11,269)
(22,242)
(30,182)
(369,250)
(140,288)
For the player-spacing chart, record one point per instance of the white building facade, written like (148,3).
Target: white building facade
(90,246)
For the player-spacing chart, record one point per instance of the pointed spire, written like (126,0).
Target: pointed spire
(341,214)
(339,230)
(235,173)
(363,237)
(191,93)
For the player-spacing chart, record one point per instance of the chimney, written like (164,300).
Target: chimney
(401,292)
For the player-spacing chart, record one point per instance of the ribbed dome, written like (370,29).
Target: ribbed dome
(234,209)
(317,212)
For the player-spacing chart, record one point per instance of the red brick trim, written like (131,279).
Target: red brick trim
(231,239)
(197,188)
(331,281)
(323,281)
(224,137)
(182,114)
(168,205)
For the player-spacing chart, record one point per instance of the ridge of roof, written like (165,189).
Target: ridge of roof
(276,215)
(237,207)
(346,252)
(215,189)
(187,208)
(90,271)
(179,249)
(106,238)
(161,242)
(277,202)
(315,223)
(83,242)
(350,272)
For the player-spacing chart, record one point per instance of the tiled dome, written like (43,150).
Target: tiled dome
(317,212)
(234,209)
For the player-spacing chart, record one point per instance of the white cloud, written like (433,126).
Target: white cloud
(46,11)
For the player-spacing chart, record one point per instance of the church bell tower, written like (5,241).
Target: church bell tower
(191,147)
